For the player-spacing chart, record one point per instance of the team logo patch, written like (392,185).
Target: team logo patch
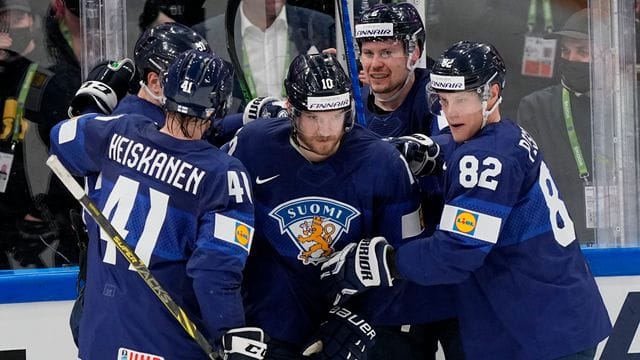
(128,354)
(466,222)
(470,223)
(314,224)
(233,231)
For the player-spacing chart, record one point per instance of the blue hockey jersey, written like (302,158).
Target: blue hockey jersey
(306,211)
(505,236)
(186,208)
(133,104)
(411,117)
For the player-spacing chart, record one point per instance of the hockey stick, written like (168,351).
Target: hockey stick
(347,39)
(229,24)
(178,313)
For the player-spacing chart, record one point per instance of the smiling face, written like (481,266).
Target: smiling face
(385,65)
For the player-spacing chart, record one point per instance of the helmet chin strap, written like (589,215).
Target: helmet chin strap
(161,99)
(486,94)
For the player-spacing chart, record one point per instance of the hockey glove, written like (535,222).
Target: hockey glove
(244,343)
(345,335)
(106,84)
(264,107)
(356,268)
(422,153)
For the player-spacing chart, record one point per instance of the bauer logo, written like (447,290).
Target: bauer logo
(322,103)
(440,82)
(128,354)
(314,225)
(374,30)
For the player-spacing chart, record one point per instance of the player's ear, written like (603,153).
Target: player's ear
(154,83)
(415,56)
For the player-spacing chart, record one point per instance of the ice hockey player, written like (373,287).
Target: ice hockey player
(181,204)
(505,236)
(320,183)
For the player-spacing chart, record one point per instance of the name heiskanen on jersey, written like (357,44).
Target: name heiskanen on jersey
(155,163)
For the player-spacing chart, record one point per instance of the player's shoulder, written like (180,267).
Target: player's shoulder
(502,140)
(364,142)
(266,128)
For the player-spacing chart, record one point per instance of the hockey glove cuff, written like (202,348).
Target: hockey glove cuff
(263,107)
(345,335)
(106,84)
(246,343)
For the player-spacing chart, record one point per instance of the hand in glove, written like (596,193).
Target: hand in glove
(264,107)
(421,152)
(246,343)
(345,335)
(106,84)
(357,267)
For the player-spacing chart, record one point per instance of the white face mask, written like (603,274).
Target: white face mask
(160,98)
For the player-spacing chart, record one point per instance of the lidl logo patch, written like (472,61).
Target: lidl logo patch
(466,222)
(233,231)
(242,234)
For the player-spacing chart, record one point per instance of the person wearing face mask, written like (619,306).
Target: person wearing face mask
(34,231)
(559,118)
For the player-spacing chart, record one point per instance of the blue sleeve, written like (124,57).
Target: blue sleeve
(225,129)
(81,142)
(397,210)
(474,213)
(221,250)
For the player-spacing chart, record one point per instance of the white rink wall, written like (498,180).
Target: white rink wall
(42,328)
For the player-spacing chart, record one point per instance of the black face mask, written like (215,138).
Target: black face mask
(575,75)
(20,39)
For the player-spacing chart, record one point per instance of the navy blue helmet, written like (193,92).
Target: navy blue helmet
(396,21)
(318,83)
(466,66)
(199,84)
(160,45)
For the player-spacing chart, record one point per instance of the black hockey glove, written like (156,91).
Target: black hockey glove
(246,343)
(264,107)
(345,335)
(106,84)
(422,154)
(357,267)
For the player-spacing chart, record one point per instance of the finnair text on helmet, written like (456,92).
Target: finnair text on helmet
(374,30)
(322,103)
(447,82)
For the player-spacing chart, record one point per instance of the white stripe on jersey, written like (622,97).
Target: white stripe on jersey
(411,224)
(470,223)
(68,131)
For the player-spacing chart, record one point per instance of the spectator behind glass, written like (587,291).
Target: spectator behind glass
(35,229)
(162,11)
(269,34)
(541,114)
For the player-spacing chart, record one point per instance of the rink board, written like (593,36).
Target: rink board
(35,307)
